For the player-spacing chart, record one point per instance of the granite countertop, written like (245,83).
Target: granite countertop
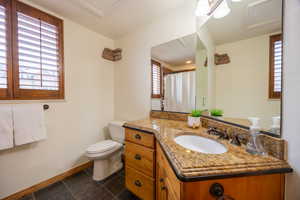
(189,165)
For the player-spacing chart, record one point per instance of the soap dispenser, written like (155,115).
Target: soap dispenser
(254,145)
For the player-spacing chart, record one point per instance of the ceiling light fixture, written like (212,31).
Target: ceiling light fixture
(204,8)
(222,10)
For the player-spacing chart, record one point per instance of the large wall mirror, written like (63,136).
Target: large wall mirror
(233,64)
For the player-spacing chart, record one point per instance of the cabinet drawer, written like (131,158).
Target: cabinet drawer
(138,137)
(139,157)
(140,184)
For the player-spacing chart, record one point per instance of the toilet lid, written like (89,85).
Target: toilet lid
(117,123)
(102,146)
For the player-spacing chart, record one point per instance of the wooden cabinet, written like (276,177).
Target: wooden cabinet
(168,186)
(140,158)
(262,187)
(149,175)
(140,184)
(140,163)
(141,138)
(164,188)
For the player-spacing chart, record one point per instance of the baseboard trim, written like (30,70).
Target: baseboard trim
(50,181)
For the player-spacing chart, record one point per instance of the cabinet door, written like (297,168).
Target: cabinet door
(170,194)
(171,183)
(161,192)
(263,187)
(164,188)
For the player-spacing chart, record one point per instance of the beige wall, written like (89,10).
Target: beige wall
(242,85)
(208,42)
(291,95)
(72,124)
(132,74)
(201,77)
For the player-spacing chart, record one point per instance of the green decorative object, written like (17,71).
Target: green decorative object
(216,112)
(196,113)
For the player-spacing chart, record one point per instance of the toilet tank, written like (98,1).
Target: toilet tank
(116,131)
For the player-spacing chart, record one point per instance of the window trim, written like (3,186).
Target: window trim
(31,94)
(156,96)
(7,93)
(272,93)
(13,92)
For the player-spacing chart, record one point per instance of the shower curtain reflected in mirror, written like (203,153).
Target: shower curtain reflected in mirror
(180,91)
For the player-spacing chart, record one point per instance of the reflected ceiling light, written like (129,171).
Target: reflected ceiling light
(236,0)
(203,8)
(222,10)
(188,62)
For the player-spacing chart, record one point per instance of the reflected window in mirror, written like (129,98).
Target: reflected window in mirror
(156,79)
(174,75)
(275,66)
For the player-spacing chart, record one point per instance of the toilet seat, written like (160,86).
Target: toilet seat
(102,146)
(103,149)
(117,123)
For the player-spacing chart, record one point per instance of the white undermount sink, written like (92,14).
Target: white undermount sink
(200,144)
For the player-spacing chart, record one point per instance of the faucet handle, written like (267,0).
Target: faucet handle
(243,138)
(223,135)
(211,130)
(235,140)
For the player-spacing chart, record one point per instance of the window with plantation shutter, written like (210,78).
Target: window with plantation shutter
(31,53)
(275,66)
(156,79)
(5,51)
(38,54)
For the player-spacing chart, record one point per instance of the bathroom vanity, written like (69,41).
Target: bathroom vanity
(159,168)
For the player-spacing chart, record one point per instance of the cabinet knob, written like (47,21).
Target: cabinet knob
(216,190)
(163,188)
(138,136)
(137,183)
(161,180)
(138,157)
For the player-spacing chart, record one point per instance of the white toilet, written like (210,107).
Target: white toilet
(107,153)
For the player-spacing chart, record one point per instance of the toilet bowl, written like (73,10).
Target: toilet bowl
(107,154)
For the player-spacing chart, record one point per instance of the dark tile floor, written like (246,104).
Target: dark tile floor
(81,186)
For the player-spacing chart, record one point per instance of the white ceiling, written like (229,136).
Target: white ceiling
(248,18)
(176,52)
(111,18)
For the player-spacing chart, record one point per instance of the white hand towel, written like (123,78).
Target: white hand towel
(6,127)
(29,123)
